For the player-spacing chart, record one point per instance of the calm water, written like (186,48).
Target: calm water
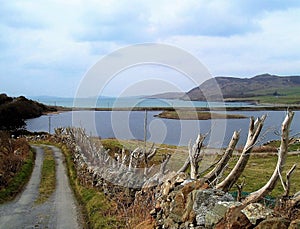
(130,125)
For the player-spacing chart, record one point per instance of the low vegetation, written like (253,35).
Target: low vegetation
(16,165)
(48,180)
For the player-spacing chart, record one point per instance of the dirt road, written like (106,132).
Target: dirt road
(60,211)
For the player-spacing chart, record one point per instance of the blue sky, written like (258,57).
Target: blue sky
(48,46)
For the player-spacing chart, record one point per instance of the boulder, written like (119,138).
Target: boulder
(177,206)
(205,200)
(218,212)
(234,219)
(256,212)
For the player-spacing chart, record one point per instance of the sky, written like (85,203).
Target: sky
(47,47)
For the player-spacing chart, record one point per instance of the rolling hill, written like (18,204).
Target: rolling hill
(239,88)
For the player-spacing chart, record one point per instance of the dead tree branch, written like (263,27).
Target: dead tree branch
(223,162)
(164,163)
(195,154)
(255,128)
(282,154)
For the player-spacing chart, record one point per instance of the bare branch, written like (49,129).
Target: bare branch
(164,163)
(216,180)
(282,154)
(224,160)
(151,153)
(253,133)
(194,155)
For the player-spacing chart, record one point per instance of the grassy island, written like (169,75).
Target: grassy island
(197,115)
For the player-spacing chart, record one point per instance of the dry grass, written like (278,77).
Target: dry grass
(16,164)
(13,152)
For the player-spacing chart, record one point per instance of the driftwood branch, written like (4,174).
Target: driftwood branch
(187,160)
(217,178)
(282,154)
(255,128)
(194,155)
(224,160)
(151,153)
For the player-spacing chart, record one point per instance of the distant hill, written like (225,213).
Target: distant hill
(231,87)
(167,95)
(14,111)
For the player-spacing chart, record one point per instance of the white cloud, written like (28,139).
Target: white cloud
(60,40)
(274,48)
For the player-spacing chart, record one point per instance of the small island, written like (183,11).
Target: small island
(197,115)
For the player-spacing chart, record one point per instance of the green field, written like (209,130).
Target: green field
(275,96)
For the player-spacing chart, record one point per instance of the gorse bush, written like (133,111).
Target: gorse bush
(13,153)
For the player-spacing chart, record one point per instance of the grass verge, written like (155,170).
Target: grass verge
(48,179)
(19,180)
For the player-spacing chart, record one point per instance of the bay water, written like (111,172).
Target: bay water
(130,125)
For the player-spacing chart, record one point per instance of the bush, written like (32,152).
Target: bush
(13,153)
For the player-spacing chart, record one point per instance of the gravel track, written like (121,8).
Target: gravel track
(59,211)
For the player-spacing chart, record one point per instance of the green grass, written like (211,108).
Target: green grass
(95,206)
(48,179)
(19,180)
(259,170)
